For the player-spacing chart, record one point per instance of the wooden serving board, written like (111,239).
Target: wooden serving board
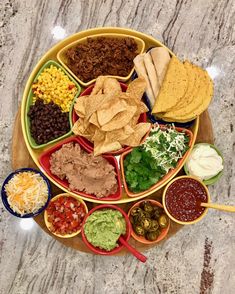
(21,158)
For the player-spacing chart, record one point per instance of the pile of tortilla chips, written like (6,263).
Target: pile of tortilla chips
(109,117)
(185,93)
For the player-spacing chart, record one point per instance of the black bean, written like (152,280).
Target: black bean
(47,121)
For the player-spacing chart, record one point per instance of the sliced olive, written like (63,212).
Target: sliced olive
(154,226)
(146,223)
(152,236)
(163,221)
(139,230)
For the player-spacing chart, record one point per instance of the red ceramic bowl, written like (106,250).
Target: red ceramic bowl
(163,179)
(97,250)
(44,160)
(89,145)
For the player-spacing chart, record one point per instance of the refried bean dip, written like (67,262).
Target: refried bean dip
(83,171)
(102,56)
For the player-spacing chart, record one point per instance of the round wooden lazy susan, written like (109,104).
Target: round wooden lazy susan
(23,155)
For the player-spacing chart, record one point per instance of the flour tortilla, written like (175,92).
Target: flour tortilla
(141,71)
(161,59)
(152,74)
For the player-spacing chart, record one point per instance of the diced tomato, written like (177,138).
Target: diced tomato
(65,215)
(67,204)
(69,214)
(70,87)
(74,224)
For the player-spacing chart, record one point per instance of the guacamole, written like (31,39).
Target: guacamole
(104,227)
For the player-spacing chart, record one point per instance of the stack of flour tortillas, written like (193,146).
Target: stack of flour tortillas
(177,91)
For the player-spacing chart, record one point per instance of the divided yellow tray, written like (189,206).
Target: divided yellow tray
(52,55)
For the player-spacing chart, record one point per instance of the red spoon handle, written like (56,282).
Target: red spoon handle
(132,250)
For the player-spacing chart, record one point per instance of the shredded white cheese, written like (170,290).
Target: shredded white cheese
(26,192)
(166,146)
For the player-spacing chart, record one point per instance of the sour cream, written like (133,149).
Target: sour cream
(204,162)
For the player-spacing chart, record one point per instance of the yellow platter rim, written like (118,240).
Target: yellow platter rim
(56,48)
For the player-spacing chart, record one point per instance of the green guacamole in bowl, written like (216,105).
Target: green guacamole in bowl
(104,227)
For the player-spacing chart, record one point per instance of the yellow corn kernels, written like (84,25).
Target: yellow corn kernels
(54,85)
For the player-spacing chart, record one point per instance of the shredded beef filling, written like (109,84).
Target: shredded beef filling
(102,56)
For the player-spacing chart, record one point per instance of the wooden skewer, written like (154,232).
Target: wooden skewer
(227,208)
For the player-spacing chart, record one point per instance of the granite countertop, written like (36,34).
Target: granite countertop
(199,258)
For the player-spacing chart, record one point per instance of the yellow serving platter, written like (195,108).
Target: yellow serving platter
(52,55)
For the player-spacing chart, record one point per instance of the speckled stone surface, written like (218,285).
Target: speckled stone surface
(202,31)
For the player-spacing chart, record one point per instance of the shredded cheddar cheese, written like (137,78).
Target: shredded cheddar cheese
(26,192)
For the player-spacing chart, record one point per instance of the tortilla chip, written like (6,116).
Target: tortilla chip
(142,107)
(120,120)
(80,106)
(173,87)
(109,110)
(83,128)
(109,115)
(140,131)
(137,88)
(112,86)
(94,102)
(98,136)
(132,100)
(80,126)
(91,130)
(104,147)
(120,134)
(94,120)
(99,84)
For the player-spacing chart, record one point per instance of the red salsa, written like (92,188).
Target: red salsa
(183,198)
(65,215)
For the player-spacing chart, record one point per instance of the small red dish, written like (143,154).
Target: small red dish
(87,143)
(127,236)
(44,161)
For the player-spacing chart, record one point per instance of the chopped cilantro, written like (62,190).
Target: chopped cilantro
(160,152)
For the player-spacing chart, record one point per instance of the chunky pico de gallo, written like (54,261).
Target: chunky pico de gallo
(65,215)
